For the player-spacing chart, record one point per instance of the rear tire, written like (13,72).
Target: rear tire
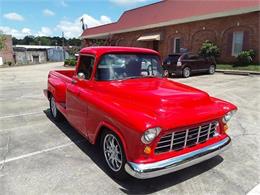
(186,72)
(55,113)
(113,155)
(212,69)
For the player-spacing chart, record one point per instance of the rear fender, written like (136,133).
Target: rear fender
(58,89)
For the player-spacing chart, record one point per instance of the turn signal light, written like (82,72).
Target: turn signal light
(225,128)
(147,150)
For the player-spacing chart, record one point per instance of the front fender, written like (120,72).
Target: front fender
(107,125)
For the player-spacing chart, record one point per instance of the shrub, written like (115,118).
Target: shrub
(67,62)
(209,49)
(9,63)
(70,62)
(245,58)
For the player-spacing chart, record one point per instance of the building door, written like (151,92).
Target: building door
(36,59)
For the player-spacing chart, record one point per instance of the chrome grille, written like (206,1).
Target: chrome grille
(186,138)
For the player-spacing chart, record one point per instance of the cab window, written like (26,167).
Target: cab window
(86,65)
(193,57)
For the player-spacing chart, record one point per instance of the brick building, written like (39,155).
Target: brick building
(170,25)
(6,53)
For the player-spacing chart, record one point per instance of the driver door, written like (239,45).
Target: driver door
(77,108)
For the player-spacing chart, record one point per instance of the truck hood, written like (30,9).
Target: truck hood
(174,104)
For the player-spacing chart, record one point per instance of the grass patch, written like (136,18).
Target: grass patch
(232,67)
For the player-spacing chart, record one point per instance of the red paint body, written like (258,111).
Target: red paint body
(130,107)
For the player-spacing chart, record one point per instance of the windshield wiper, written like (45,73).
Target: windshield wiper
(135,77)
(150,76)
(132,77)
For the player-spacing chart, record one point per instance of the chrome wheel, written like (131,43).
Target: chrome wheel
(112,152)
(186,72)
(212,69)
(53,107)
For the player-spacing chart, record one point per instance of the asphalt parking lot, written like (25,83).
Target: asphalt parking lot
(38,156)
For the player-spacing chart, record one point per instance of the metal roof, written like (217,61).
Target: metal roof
(36,46)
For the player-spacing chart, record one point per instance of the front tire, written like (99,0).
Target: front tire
(186,72)
(113,155)
(55,113)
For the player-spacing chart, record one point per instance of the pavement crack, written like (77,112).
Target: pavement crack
(5,153)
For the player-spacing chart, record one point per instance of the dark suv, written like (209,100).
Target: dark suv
(187,63)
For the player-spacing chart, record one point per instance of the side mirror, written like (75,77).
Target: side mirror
(76,56)
(81,76)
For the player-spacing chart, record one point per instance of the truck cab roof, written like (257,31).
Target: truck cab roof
(100,50)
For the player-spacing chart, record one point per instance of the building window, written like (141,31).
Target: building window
(237,44)
(176,45)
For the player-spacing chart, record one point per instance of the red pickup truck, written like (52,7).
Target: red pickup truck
(146,125)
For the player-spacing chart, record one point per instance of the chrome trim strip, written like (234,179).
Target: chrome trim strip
(150,170)
(209,131)
(186,137)
(198,137)
(172,140)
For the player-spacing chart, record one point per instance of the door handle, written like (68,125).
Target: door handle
(73,81)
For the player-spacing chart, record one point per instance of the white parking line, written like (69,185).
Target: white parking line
(255,190)
(23,114)
(37,152)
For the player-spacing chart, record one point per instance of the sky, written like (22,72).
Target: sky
(52,17)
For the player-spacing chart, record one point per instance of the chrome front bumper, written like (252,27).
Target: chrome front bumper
(144,171)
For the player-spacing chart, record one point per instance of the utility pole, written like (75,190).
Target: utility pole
(63,46)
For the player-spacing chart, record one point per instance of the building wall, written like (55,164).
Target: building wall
(56,55)
(7,52)
(193,34)
(30,56)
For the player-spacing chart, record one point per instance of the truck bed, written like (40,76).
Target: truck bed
(57,84)
(65,75)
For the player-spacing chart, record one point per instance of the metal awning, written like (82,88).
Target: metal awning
(156,37)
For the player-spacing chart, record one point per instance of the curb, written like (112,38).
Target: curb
(238,72)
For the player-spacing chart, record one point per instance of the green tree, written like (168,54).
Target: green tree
(15,41)
(2,41)
(44,40)
(28,40)
(74,42)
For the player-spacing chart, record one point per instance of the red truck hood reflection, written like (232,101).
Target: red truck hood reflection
(167,101)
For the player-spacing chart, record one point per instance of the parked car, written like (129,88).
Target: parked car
(187,63)
(146,125)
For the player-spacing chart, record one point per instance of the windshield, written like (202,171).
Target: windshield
(128,66)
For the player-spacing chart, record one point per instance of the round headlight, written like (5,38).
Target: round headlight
(150,135)
(228,116)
